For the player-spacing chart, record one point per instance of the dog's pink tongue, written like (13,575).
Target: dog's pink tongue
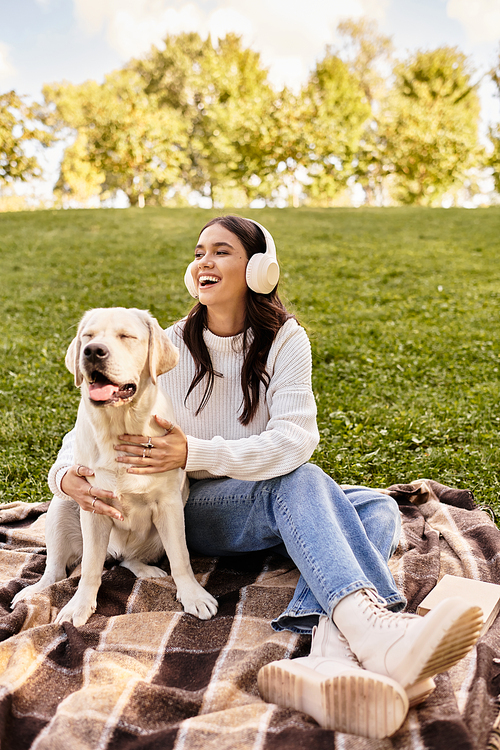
(99,392)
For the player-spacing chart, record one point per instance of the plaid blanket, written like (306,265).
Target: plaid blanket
(141,674)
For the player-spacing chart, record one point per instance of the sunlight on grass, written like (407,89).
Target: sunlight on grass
(402,307)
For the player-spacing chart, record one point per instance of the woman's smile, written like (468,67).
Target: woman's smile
(204,280)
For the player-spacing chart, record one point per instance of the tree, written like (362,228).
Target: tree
(493,160)
(122,139)
(334,114)
(431,125)
(245,136)
(222,93)
(303,144)
(18,130)
(368,55)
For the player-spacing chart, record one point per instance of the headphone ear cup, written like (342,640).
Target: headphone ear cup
(189,282)
(262,273)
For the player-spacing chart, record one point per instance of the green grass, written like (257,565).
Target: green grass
(402,307)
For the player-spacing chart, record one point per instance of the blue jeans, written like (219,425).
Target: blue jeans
(340,540)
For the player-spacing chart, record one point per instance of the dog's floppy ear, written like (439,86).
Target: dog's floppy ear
(72,359)
(163,355)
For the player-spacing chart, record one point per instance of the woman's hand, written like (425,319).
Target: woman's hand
(154,455)
(89,498)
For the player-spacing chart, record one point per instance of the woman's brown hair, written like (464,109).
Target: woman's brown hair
(265,315)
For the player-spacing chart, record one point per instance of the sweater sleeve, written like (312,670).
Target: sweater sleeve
(65,459)
(291,434)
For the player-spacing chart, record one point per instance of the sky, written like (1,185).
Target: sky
(43,41)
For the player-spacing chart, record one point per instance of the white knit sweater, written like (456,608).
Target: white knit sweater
(282,435)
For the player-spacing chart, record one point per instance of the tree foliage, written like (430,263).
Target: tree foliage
(336,112)
(201,116)
(225,99)
(123,139)
(494,132)
(18,129)
(431,125)
(369,56)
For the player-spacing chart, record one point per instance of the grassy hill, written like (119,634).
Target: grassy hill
(401,305)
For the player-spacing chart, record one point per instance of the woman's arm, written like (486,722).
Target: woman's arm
(286,442)
(67,480)
(61,465)
(291,434)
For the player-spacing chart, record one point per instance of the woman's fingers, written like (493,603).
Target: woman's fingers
(90,498)
(151,455)
(95,501)
(144,441)
(134,450)
(103,509)
(137,440)
(83,471)
(165,423)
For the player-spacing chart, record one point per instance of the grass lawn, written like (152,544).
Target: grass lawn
(402,307)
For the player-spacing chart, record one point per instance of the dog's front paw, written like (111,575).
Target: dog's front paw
(141,570)
(76,611)
(198,602)
(26,593)
(21,596)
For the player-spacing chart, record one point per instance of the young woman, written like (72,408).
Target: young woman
(242,395)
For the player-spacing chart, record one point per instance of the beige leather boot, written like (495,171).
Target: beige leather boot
(409,648)
(332,687)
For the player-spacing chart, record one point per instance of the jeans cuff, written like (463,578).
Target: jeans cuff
(301,620)
(302,624)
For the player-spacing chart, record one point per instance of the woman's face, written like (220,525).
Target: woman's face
(219,268)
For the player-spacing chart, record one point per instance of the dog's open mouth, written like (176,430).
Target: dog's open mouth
(102,391)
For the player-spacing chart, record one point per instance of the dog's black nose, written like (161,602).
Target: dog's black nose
(95,353)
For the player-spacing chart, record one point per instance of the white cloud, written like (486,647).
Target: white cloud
(225,20)
(376,9)
(289,35)
(292,35)
(6,67)
(132,34)
(480,18)
(132,26)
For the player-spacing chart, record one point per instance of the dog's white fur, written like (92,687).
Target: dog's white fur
(151,504)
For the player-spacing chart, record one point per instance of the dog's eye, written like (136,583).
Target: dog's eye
(126,336)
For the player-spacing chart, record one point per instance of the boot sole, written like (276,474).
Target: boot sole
(355,701)
(457,628)
(419,691)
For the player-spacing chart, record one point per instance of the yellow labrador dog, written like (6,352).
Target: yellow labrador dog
(116,357)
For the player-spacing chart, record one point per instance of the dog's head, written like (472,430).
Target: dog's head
(116,351)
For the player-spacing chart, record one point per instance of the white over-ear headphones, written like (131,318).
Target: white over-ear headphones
(262,271)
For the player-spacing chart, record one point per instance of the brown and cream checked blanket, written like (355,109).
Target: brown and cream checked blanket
(141,674)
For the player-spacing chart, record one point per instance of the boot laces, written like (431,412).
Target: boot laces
(380,615)
(348,651)
(321,648)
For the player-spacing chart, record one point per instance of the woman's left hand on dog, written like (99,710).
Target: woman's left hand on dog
(169,451)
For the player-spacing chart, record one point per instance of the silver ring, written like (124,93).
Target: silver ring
(89,491)
(93,511)
(80,466)
(144,452)
(93,502)
(149,444)
(172,425)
